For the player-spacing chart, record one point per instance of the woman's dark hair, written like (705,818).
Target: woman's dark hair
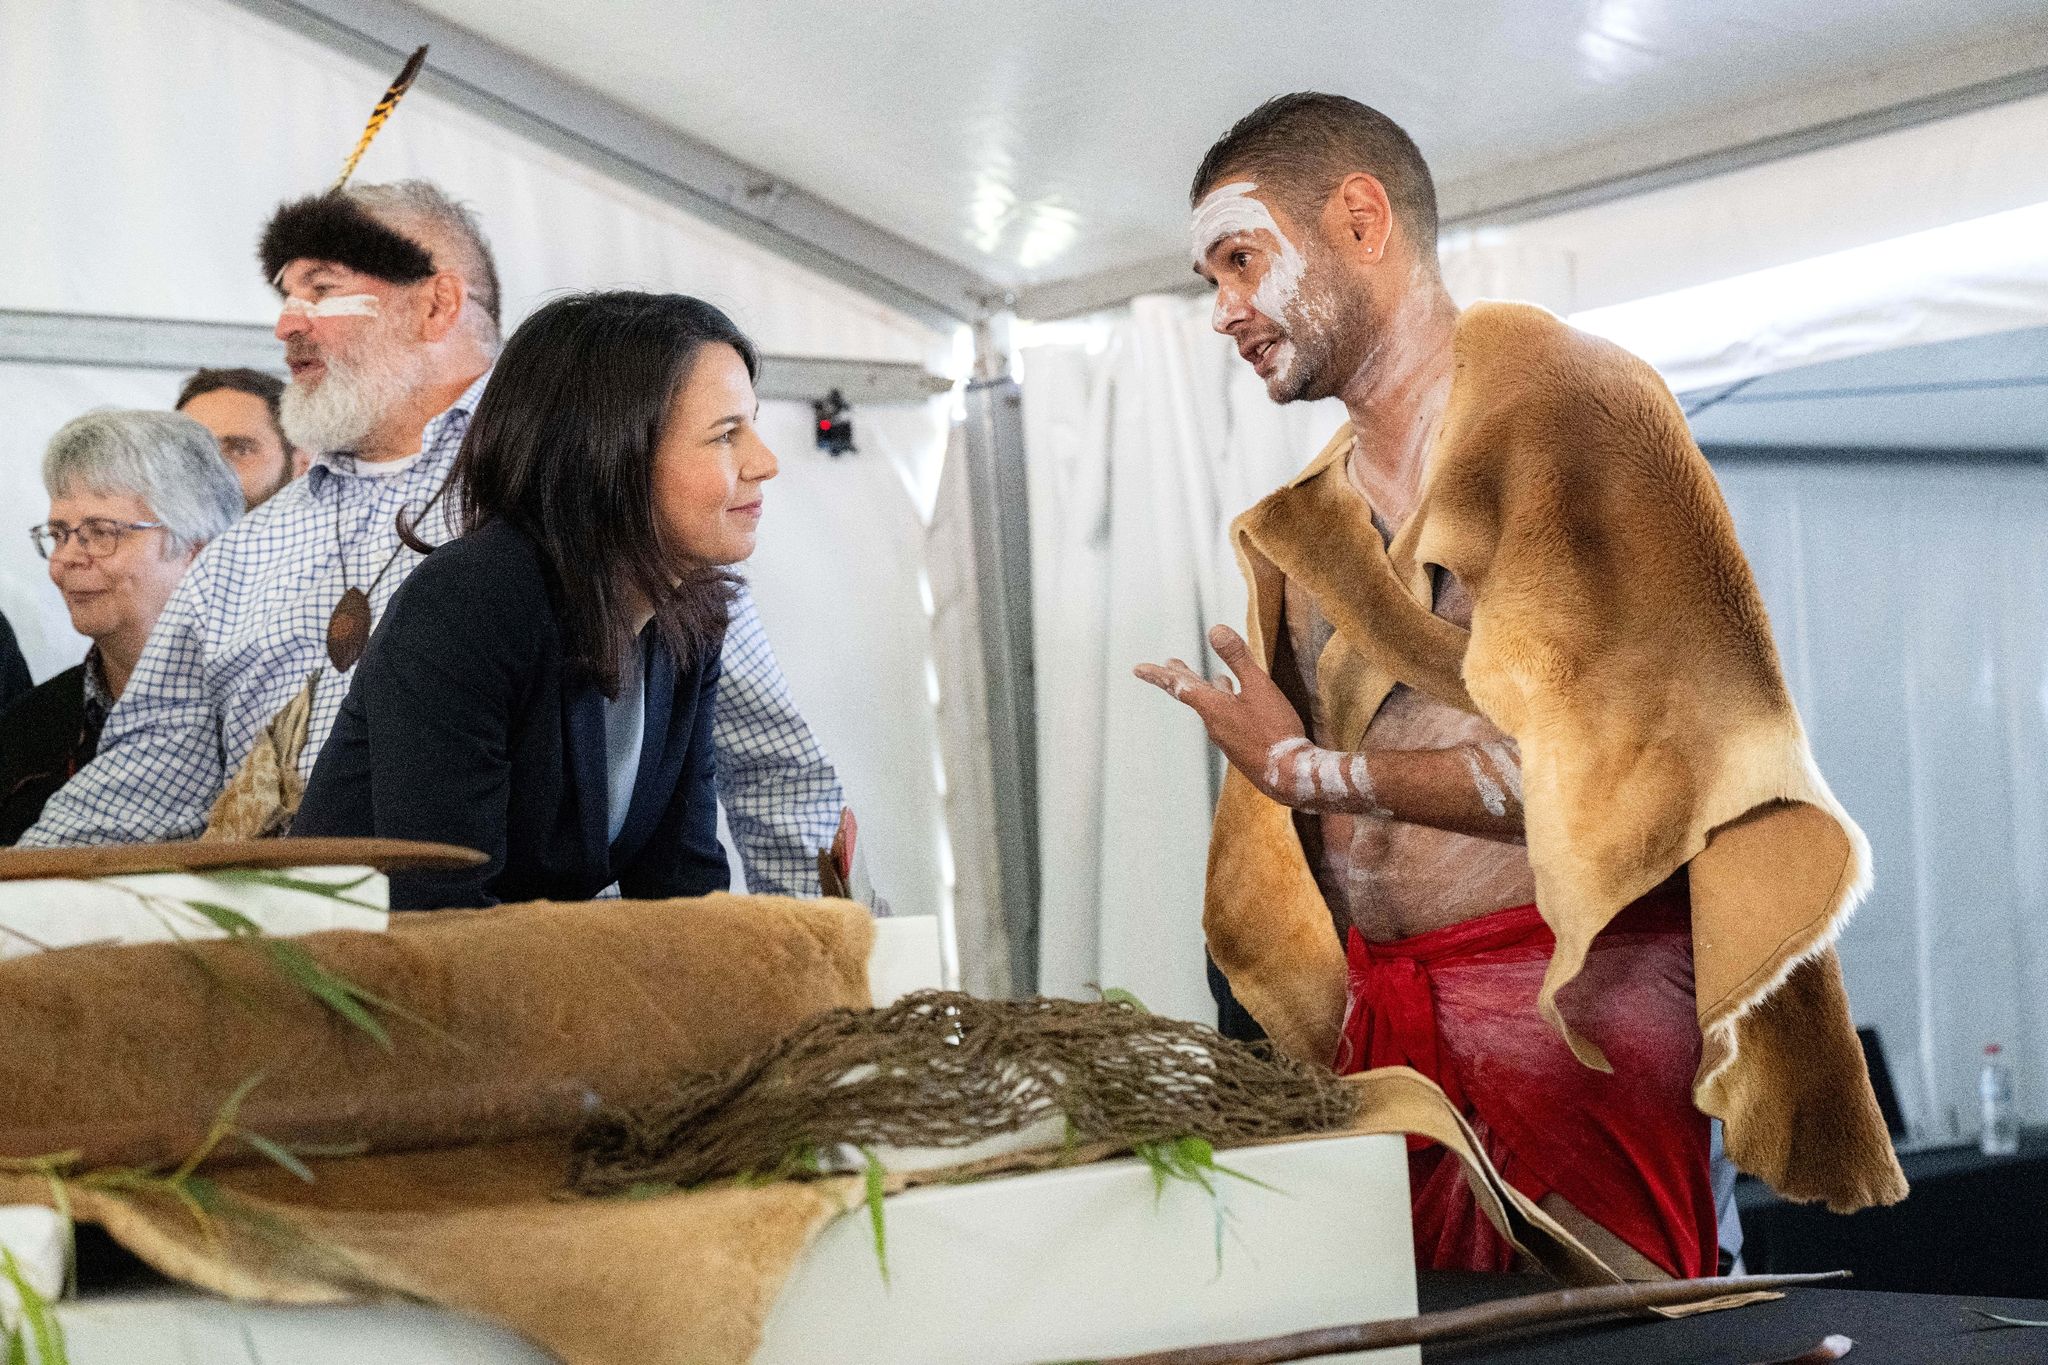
(562,447)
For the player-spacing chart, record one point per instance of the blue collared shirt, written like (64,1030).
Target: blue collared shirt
(248,624)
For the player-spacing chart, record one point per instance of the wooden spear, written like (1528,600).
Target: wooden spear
(1483,1319)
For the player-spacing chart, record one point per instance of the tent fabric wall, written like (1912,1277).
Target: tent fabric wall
(1138,457)
(1815,204)
(153,138)
(1922,234)
(1910,605)
(1964,280)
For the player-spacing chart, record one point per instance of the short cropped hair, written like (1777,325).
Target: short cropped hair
(255,383)
(164,458)
(1302,146)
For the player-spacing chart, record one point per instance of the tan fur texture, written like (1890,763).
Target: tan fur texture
(125,1054)
(1618,636)
(264,794)
(677,1279)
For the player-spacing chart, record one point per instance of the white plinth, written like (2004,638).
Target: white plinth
(1059,1266)
(1079,1264)
(906,958)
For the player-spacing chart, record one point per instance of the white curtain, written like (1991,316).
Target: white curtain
(978,952)
(1910,605)
(1140,453)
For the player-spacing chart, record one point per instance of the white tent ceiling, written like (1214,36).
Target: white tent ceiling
(1041,141)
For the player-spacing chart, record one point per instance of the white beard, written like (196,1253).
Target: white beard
(350,399)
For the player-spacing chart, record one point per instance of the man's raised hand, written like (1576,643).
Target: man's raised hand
(1246,721)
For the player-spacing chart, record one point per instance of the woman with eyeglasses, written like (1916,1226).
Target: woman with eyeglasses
(134,497)
(541,688)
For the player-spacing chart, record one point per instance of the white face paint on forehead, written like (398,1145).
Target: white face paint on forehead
(333,306)
(1227,210)
(1231,209)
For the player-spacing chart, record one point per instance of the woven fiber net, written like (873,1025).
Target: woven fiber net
(944,1069)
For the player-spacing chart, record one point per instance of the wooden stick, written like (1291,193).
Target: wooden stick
(109,860)
(1479,1320)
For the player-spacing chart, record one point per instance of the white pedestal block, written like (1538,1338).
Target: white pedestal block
(905,958)
(1079,1264)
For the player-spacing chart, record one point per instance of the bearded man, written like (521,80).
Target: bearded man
(390,322)
(1510,721)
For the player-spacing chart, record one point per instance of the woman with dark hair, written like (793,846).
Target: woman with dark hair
(541,688)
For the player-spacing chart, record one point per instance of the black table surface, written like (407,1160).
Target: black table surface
(1888,1329)
(1973,1224)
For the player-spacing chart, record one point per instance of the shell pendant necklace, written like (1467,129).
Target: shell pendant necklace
(348,625)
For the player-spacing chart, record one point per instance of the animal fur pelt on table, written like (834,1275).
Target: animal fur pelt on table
(514,1022)
(1618,636)
(505,1025)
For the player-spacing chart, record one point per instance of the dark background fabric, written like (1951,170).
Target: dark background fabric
(465,724)
(44,739)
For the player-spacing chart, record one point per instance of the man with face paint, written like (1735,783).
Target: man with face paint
(390,323)
(1315,219)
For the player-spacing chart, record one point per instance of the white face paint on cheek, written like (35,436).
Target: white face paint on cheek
(1283,360)
(1229,210)
(1281,283)
(333,306)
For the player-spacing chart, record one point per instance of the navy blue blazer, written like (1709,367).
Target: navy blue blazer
(464,724)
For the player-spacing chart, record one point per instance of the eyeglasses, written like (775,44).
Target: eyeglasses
(97,536)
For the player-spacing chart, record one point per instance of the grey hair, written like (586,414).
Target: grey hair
(420,210)
(164,458)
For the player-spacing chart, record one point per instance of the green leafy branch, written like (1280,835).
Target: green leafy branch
(1192,1160)
(282,879)
(196,1194)
(876,1182)
(349,1001)
(35,1321)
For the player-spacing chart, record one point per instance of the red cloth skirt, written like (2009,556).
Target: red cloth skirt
(1627,1149)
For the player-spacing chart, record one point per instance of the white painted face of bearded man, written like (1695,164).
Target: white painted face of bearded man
(1282,296)
(352,369)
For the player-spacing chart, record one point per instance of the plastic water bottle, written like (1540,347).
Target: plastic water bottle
(2000,1135)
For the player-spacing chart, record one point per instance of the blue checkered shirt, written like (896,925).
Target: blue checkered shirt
(248,624)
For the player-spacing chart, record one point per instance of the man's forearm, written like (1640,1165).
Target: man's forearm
(1471,789)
